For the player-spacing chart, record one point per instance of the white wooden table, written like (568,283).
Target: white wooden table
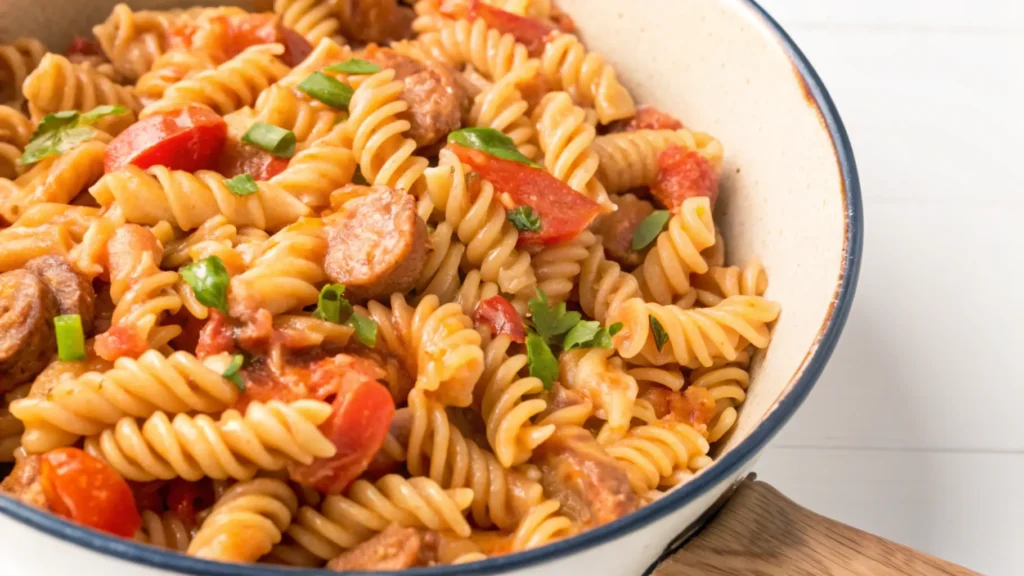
(916,430)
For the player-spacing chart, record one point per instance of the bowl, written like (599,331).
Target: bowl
(789,195)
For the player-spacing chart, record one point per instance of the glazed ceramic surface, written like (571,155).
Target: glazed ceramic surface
(789,196)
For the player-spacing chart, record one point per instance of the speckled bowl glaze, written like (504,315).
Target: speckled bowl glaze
(790,196)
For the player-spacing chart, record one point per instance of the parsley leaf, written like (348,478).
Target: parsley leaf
(242,185)
(590,334)
(232,372)
(524,219)
(62,131)
(209,280)
(660,336)
(649,229)
(551,322)
(542,361)
(490,141)
(332,305)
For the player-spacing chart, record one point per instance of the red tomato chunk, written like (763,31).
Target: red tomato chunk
(498,314)
(683,174)
(650,118)
(190,139)
(88,491)
(239,158)
(563,212)
(120,342)
(527,31)
(84,46)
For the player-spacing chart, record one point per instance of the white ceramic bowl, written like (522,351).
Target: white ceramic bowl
(790,195)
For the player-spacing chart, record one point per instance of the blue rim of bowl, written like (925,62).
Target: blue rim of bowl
(723,469)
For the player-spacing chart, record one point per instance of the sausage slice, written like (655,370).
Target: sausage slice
(27,339)
(436,97)
(73,291)
(23,482)
(591,487)
(396,548)
(377,244)
(616,229)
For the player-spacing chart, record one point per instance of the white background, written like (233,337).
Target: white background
(916,430)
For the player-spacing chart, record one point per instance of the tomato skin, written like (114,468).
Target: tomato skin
(216,336)
(694,406)
(148,495)
(239,158)
(361,416)
(501,317)
(527,31)
(184,498)
(88,491)
(120,341)
(650,118)
(564,212)
(84,46)
(236,32)
(190,139)
(683,174)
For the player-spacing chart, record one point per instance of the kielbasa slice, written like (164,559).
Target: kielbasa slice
(616,229)
(396,548)
(376,244)
(591,487)
(27,339)
(23,482)
(379,21)
(73,291)
(436,97)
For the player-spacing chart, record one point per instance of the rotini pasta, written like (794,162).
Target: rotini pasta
(630,159)
(17,60)
(134,40)
(246,522)
(168,70)
(609,387)
(56,84)
(502,107)
(665,274)
(721,282)
(566,139)
(653,452)
(314,19)
(164,530)
(590,80)
(56,179)
(460,42)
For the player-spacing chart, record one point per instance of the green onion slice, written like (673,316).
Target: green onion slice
(273,139)
(70,337)
(233,371)
(649,228)
(328,90)
(354,66)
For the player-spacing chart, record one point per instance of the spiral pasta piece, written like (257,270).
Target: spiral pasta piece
(143,297)
(314,19)
(232,85)
(694,337)
(287,272)
(267,438)
(437,343)
(17,60)
(343,522)
(503,108)
(728,387)
(15,127)
(541,526)
(56,179)
(10,427)
(558,266)
(460,42)
(566,138)
(164,530)
(590,80)
(246,522)
(665,273)
(481,225)
(90,403)
(602,379)
(721,282)
(440,275)
(437,449)
(509,403)
(630,159)
(310,120)
(56,84)
(653,452)
(187,200)
(134,40)
(168,70)
(315,172)
(377,136)
(603,286)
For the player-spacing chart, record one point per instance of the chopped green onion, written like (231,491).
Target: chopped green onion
(332,305)
(354,66)
(524,219)
(232,372)
(70,337)
(541,359)
(242,185)
(660,336)
(277,141)
(366,329)
(549,321)
(328,90)
(490,141)
(62,131)
(209,280)
(649,228)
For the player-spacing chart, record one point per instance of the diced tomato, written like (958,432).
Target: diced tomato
(84,46)
(695,405)
(527,31)
(190,139)
(650,118)
(88,491)
(216,336)
(120,341)
(499,315)
(296,47)
(239,158)
(683,174)
(563,212)
(362,415)
(562,20)
(236,32)
(184,498)
(191,328)
(179,35)
(147,495)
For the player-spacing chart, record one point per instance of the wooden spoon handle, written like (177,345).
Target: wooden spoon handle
(760,532)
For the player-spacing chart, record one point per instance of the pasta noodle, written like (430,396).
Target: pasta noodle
(168,70)
(246,522)
(56,84)
(603,286)
(721,282)
(665,273)
(164,530)
(55,179)
(566,139)
(653,452)
(17,60)
(602,380)
(440,275)
(728,387)
(134,40)
(268,437)
(460,42)
(587,77)
(630,159)
(502,107)
(314,19)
